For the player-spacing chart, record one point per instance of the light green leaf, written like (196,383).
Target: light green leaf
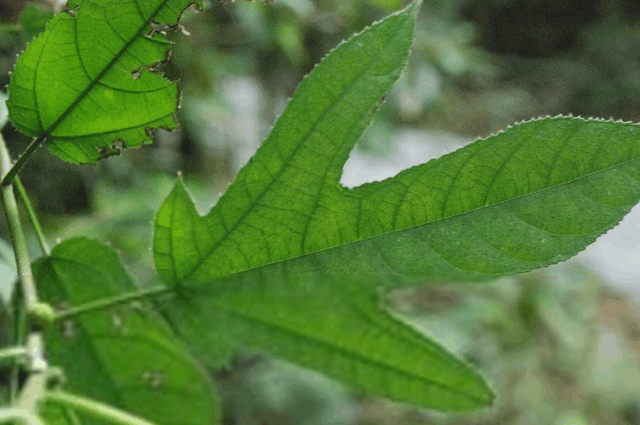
(336,325)
(124,356)
(87,81)
(287,201)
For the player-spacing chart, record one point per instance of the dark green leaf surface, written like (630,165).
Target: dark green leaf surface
(336,325)
(528,197)
(532,196)
(124,356)
(85,82)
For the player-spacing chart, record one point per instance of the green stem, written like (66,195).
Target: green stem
(33,218)
(23,262)
(13,352)
(8,178)
(20,329)
(17,235)
(110,302)
(16,414)
(94,408)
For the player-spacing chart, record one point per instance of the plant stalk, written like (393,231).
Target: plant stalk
(110,302)
(33,218)
(13,171)
(96,409)
(12,352)
(18,239)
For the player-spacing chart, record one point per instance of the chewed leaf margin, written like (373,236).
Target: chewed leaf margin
(96,101)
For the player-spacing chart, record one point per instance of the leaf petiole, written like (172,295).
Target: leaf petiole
(110,302)
(94,408)
(12,352)
(33,218)
(15,169)
(23,261)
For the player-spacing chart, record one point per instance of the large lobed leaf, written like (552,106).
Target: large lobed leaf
(333,324)
(531,196)
(124,356)
(87,82)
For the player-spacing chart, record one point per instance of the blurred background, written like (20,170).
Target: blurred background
(560,345)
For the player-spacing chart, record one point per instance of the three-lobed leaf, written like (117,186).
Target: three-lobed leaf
(333,324)
(125,356)
(87,82)
(533,195)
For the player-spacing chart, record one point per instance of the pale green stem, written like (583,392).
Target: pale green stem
(20,320)
(10,353)
(32,392)
(33,218)
(17,235)
(110,302)
(16,414)
(96,409)
(23,263)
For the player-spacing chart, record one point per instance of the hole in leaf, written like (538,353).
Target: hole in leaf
(118,145)
(153,379)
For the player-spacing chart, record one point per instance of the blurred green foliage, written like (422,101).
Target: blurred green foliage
(559,347)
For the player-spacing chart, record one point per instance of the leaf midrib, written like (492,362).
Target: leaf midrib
(348,353)
(47,132)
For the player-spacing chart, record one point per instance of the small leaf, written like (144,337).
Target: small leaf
(124,356)
(335,325)
(87,81)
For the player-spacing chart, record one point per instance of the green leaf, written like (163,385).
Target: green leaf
(336,325)
(87,81)
(124,356)
(533,195)
(330,324)
(287,202)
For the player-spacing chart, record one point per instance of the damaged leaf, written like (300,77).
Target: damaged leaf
(89,80)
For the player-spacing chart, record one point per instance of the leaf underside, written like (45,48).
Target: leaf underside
(335,325)
(85,84)
(124,356)
(533,195)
